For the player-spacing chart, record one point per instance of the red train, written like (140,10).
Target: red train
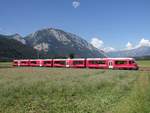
(99,63)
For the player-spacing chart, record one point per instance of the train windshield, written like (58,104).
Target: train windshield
(131,62)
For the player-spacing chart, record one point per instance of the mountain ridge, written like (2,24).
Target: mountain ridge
(12,49)
(52,42)
(136,52)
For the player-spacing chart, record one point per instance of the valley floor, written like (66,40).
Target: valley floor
(60,90)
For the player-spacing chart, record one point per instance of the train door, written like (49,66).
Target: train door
(110,64)
(68,63)
(19,63)
(40,63)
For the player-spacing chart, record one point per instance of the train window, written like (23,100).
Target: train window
(23,62)
(91,62)
(77,62)
(120,62)
(131,62)
(102,62)
(33,62)
(47,62)
(97,62)
(15,62)
(60,62)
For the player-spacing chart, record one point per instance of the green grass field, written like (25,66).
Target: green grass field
(144,63)
(60,90)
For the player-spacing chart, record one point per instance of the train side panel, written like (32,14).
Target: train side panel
(24,62)
(59,62)
(36,62)
(97,63)
(77,63)
(48,63)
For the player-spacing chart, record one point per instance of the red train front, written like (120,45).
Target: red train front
(122,63)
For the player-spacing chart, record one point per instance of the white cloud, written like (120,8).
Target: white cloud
(144,42)
(109,49)
(76,3)
(99,44)
(129,46)
(96,42)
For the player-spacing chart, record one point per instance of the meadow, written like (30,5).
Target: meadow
(61,90)
(144,63)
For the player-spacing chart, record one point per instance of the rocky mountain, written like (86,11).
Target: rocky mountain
(57,42)
(137,52)
(50,43)
(18,38)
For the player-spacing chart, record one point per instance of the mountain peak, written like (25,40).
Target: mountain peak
(18,37)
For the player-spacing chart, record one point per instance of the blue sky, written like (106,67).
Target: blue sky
(113,22)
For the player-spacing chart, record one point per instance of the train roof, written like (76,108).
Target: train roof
(60,59)
(96,58)
(120,58)
(21,60)
(78,59)
(47,59)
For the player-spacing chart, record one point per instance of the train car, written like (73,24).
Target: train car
(122,63)
(36,62)
(48,63)
(24,62)
(59,62)
(99,63)
(77,63)
(16,63)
